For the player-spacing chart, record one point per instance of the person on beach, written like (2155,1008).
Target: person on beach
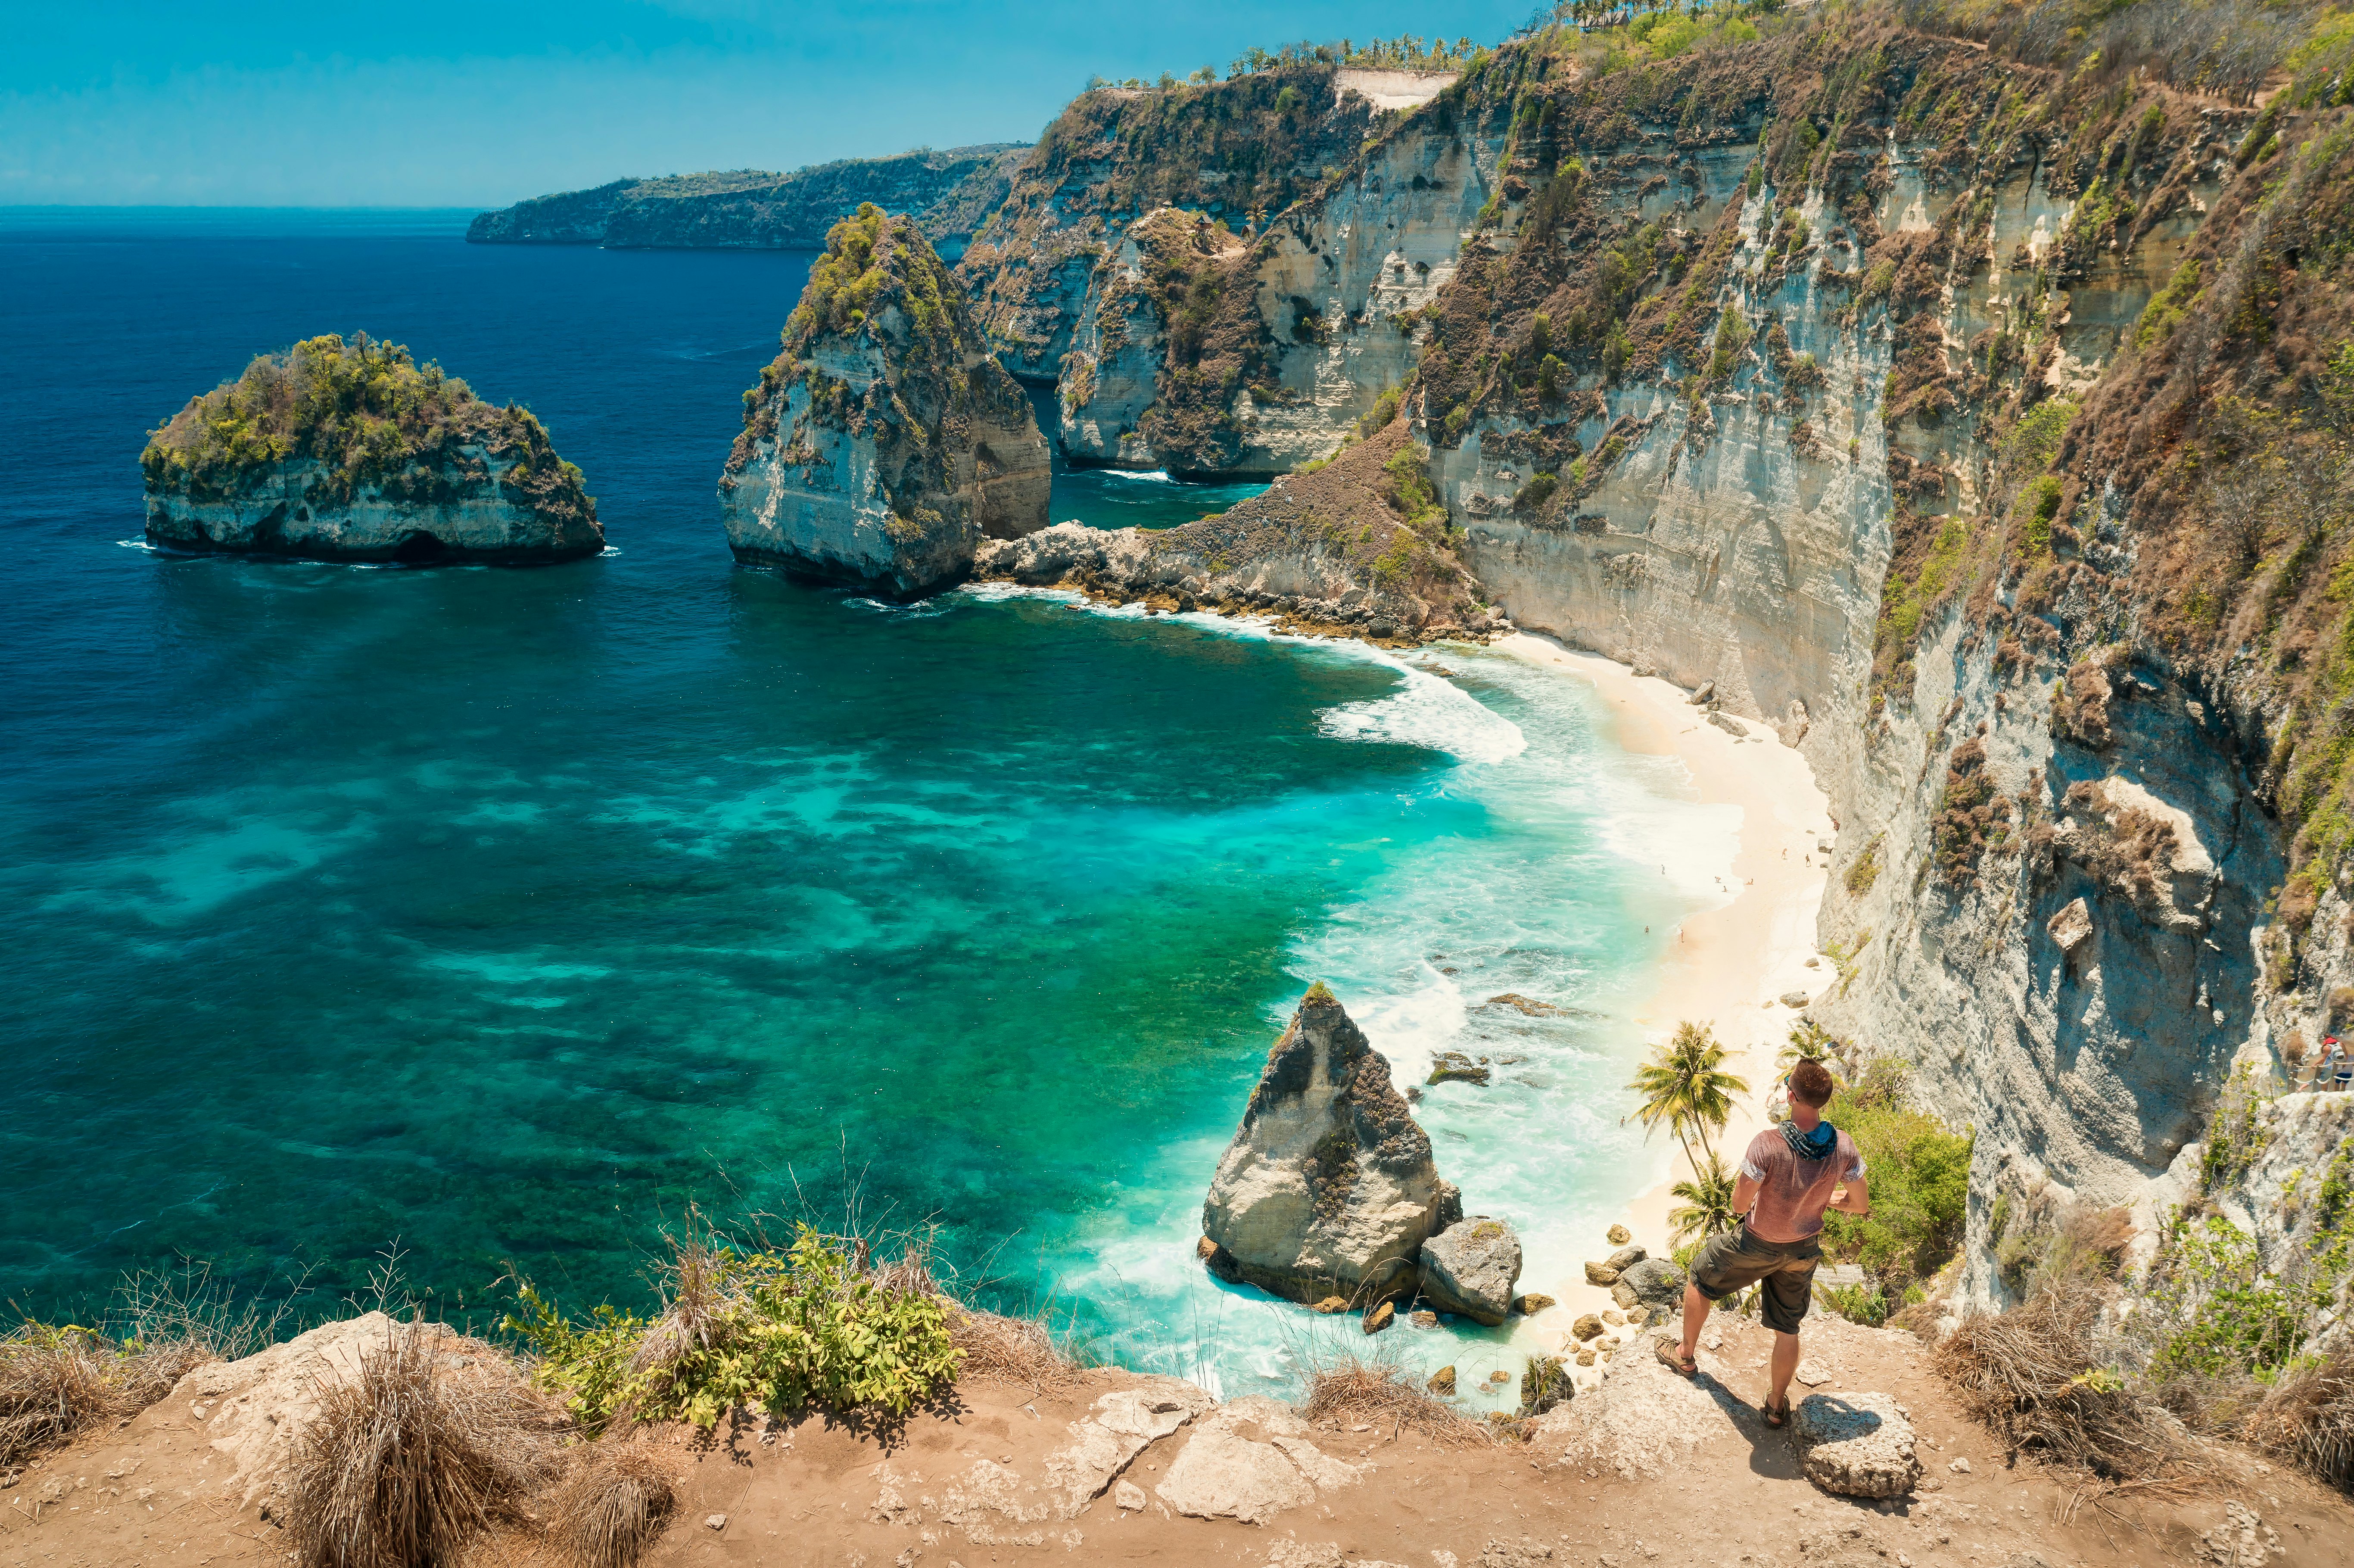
(1790,1174)
(2325,1072)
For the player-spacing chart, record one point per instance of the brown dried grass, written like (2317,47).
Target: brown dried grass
(410,1462)
(2307,1419)
(58,1381)
(612,1505)
(2030,1375)
(1019,1350)
(1378,1392)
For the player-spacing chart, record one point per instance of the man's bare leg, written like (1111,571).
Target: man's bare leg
(1786,1363)
(1696,1310)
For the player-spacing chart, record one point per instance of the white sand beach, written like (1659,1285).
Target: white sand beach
(1729,966)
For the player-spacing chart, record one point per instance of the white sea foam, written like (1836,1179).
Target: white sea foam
(1431,713)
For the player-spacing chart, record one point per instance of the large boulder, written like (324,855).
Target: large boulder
(1329,1187)
(1654,1282)
(1856,1445)
(352,451)
(1471,1269)
(886,442)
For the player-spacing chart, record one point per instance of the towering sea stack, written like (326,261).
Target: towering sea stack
(339,452)
(885,444)
(1328,1188)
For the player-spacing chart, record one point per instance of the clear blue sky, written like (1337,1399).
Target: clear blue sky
(436,102)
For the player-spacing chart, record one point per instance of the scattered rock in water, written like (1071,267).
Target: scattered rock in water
(1383,1314)
(1470,1268)
(1856,1445)
(1586,1327)
(1526,1004)
(1331,1304)
(1442,1381)
(1625,1258)
(1499,1375)
(1544,1384)
(1600,1273)
(1329,1187)
(1423,1319)
(1455,1066)
(1534,1302)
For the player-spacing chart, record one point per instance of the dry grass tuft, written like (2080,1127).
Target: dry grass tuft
(1020,1350)
(1378,1392)
(2030,1375)
(2307,1419)
(56,1382)
(412,1460)
(613,1506)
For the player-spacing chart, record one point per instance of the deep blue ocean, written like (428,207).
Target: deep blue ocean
(500,919)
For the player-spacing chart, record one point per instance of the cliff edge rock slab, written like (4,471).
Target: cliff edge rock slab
(1329,1187)
(885,444)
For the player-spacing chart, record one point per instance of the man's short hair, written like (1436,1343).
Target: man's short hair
(1812,1081)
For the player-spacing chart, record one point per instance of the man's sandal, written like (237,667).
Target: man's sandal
(1675,1361)
(1778,1417)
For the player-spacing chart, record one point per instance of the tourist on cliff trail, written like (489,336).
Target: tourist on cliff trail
(1790,1176)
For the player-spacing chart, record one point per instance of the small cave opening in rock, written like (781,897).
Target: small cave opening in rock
(421,549)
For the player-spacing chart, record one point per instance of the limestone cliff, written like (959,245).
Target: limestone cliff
(885,444)
(1328,1188)
(353,452)
(1985,426)
(951,192)
(1235,151)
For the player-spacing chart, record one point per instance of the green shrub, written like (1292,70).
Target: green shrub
(1917,1170)
(809,1325)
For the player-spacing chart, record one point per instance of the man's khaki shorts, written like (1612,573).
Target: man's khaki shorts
(1736,1259)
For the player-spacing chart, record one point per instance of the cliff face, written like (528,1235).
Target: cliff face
(352,452)
(885,444)
(1204,351)
(950,191)
(1251,145)
(1985,429)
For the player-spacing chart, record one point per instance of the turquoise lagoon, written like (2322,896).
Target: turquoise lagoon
(502,920)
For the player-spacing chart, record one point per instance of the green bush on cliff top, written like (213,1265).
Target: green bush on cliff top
(813,1324)
(365,409)
(1918,1173)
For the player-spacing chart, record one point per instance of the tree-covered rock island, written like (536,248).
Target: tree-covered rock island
(885,441)
(352,451)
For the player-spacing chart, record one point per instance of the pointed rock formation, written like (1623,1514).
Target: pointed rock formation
(1329,1187)
(885,444)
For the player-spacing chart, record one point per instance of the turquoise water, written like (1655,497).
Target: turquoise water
(499,918)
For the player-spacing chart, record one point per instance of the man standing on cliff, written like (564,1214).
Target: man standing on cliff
(1790,1176)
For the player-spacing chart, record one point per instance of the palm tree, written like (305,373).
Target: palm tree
(1706,1203)
(1811,1041)
(1684,1084)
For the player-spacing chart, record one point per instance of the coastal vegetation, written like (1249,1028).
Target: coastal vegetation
(369,415)
(1918,1170)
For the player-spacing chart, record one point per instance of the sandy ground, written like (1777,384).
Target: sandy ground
(1730,965)
(811,1493)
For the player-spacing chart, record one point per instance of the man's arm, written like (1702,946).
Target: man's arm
(1854,1197)
(1744,1195)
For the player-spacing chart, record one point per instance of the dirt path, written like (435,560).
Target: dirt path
(996,1482)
